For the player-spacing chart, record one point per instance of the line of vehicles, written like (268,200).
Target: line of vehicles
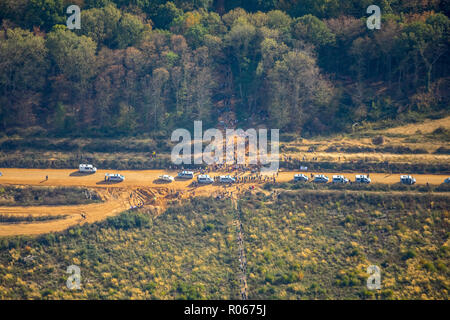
(115,177)
(206,179)
(109,177)
(201,178)
(359,178)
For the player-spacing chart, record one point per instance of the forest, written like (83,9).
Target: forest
(143,68)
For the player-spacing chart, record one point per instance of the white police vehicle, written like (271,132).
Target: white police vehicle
(320,178)
(87,168)
(300,177)
(227,179)
(114,177)
(362,178)
(407,180)
(339,179)
(186,175)
(204,178)
(166,178)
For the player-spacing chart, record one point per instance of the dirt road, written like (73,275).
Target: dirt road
(148,178)
(139,188)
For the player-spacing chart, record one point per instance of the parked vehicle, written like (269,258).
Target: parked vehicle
(340,179)
(114,177)
(300,177)
(87,168)
(407,180)
(227,179)
(320,178)
(186,175)
(204,178)
(362,178)
(166,178)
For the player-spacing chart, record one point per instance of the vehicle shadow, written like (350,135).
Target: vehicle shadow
(182,179)
(159,181)
(108,182)
(80,174)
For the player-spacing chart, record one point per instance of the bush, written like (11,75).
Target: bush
(129,220)
(409,255)
(378,140)
(442,150)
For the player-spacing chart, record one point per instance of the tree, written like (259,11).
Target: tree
(110,87)
(100,24)
(23,72)
(44,13)
(23,60)
(74,56)
(296,88)
(129,31)
(126,120)
(279,20)
(430,40)
(74,66)
(159,77)
(310,29)
(318,8)
(271,51)
(241,40)
(164,14)
(387,43)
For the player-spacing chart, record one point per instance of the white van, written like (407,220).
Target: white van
(407,180)
(227,179)
(87,168)
(300,177)
(362,178)
(114,177)
(186,174)
(166,178)
(339,179)
(321,178)
(204,178)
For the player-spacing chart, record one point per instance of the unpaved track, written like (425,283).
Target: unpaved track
(114,203)
(148,178)
(139,188)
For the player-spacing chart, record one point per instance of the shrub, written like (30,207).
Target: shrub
(378,140)
(129,220)
(409,255)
